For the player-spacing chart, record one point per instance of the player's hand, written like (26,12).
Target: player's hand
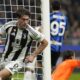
(29,58)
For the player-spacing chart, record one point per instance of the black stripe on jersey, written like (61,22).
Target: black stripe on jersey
(29,45)
(24,38)
(22,44)
(12,39)
(7,35)
(17,53)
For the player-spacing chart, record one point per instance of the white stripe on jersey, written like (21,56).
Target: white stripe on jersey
(7,44)
(8,40)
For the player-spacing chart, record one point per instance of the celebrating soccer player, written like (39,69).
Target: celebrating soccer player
(18,41)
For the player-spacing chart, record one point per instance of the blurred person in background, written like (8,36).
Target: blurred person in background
(65,68)
(18,41)
(58,24)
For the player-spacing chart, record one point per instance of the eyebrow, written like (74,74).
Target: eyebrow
(25,18)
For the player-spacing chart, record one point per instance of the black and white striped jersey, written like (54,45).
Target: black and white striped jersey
(18,41)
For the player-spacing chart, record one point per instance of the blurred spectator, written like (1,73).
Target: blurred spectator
(76,33)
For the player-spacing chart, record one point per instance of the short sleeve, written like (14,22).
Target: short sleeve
(7,25)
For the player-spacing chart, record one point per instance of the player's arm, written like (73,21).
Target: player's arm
(42,43)
(74,63)
(41,47)
(39,28)
(78,63)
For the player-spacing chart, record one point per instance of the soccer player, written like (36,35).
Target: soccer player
(58,23)
(64,69)
(18,41)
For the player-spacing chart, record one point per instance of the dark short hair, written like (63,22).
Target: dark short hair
(68,54)
(56,5)
(22,12)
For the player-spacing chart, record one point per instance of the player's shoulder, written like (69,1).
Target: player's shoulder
(58,14)
(10,23)
(63,16)
(34,31)
(70,61)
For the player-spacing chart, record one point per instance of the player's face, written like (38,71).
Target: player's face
(23,21)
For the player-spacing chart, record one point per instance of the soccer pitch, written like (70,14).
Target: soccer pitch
(74,76)
(18,76)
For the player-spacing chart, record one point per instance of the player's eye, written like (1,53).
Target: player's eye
(25,19)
